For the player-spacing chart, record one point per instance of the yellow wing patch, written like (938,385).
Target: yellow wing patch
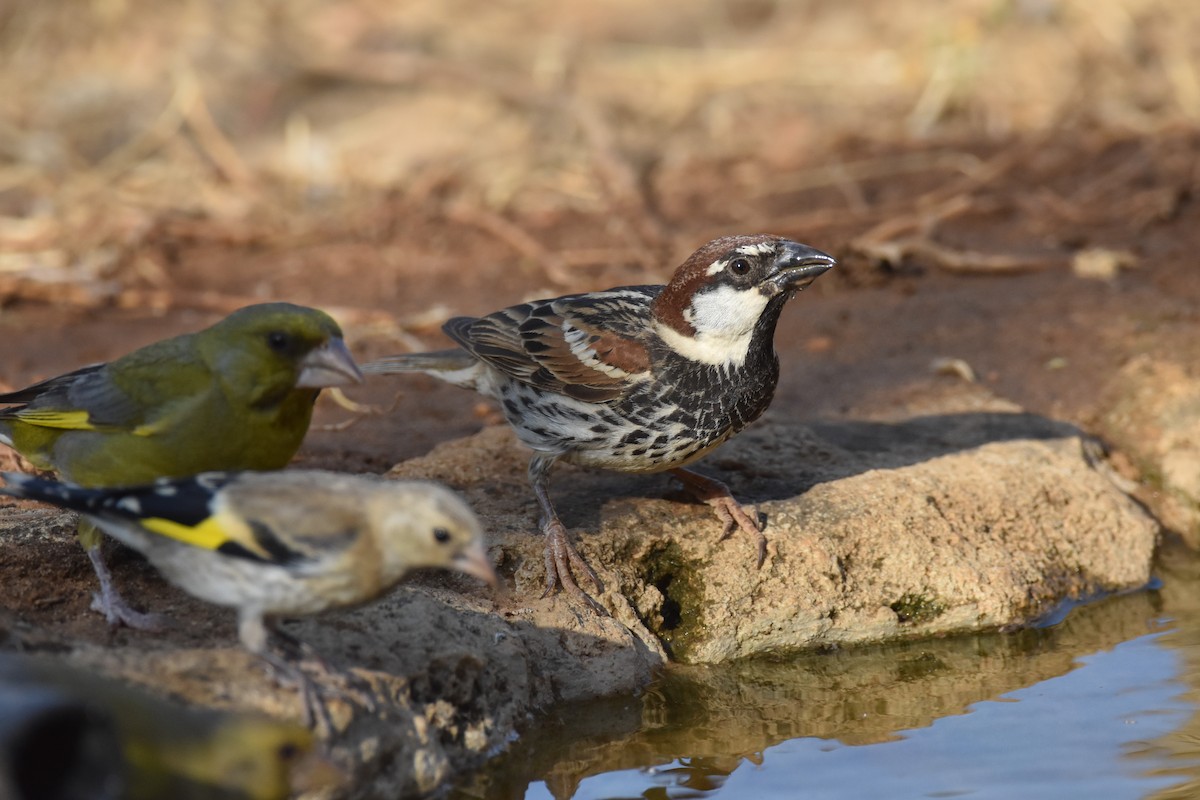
(209,534)
(80,421)
(66,420)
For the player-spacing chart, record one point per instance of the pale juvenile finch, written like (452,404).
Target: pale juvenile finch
(636,378)
(289,543)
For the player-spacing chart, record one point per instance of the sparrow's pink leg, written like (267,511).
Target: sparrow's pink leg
(561,558)
(732,513)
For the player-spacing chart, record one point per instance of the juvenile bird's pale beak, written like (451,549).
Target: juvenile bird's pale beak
(329,365)
(798,266)
(474,561)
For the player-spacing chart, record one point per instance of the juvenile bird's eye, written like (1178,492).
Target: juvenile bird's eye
(278,341)
(441,535)
(288,751)
(739,266)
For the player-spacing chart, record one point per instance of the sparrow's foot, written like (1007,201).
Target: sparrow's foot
(562,560)
(732,514)
(108,601)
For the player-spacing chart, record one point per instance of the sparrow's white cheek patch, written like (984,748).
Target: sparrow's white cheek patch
(726,311)
(724,320)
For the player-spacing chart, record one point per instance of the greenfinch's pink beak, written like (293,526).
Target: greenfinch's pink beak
(328,365)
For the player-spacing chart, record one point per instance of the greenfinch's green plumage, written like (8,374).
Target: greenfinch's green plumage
(232,756)
(237,395)
(68,733)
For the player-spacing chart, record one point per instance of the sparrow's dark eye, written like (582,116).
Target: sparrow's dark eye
(279,341)
(739,266)
(441,535)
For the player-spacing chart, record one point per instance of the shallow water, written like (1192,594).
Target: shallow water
(1102,704)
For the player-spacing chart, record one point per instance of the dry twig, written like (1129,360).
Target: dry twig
(515,237)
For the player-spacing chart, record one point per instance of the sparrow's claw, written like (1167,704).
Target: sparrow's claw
(729,522)
(562,560)
(731,513)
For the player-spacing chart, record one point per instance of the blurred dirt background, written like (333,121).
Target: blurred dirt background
(1010,186)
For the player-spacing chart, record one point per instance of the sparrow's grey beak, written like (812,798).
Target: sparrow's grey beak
(798,266)
(329,365)
(474,561)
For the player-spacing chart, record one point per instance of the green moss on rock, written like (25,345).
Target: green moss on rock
(917,608)
(680,619)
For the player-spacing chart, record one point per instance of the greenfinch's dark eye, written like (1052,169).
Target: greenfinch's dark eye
(441,535)
(278,341)
(739,266)
(288,751)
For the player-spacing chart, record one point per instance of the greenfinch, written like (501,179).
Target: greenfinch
(68,734)
(237,395)
(288,543)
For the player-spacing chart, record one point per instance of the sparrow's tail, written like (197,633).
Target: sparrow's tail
(438,361)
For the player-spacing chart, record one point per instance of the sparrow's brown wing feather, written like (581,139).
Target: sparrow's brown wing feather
(587,346)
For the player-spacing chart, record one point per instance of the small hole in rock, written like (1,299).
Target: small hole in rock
(672,612)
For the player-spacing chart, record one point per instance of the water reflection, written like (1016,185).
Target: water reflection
(1177,753)
(1101,705)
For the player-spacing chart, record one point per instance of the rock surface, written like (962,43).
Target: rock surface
(877,530)
(952,521)
(1152,414)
